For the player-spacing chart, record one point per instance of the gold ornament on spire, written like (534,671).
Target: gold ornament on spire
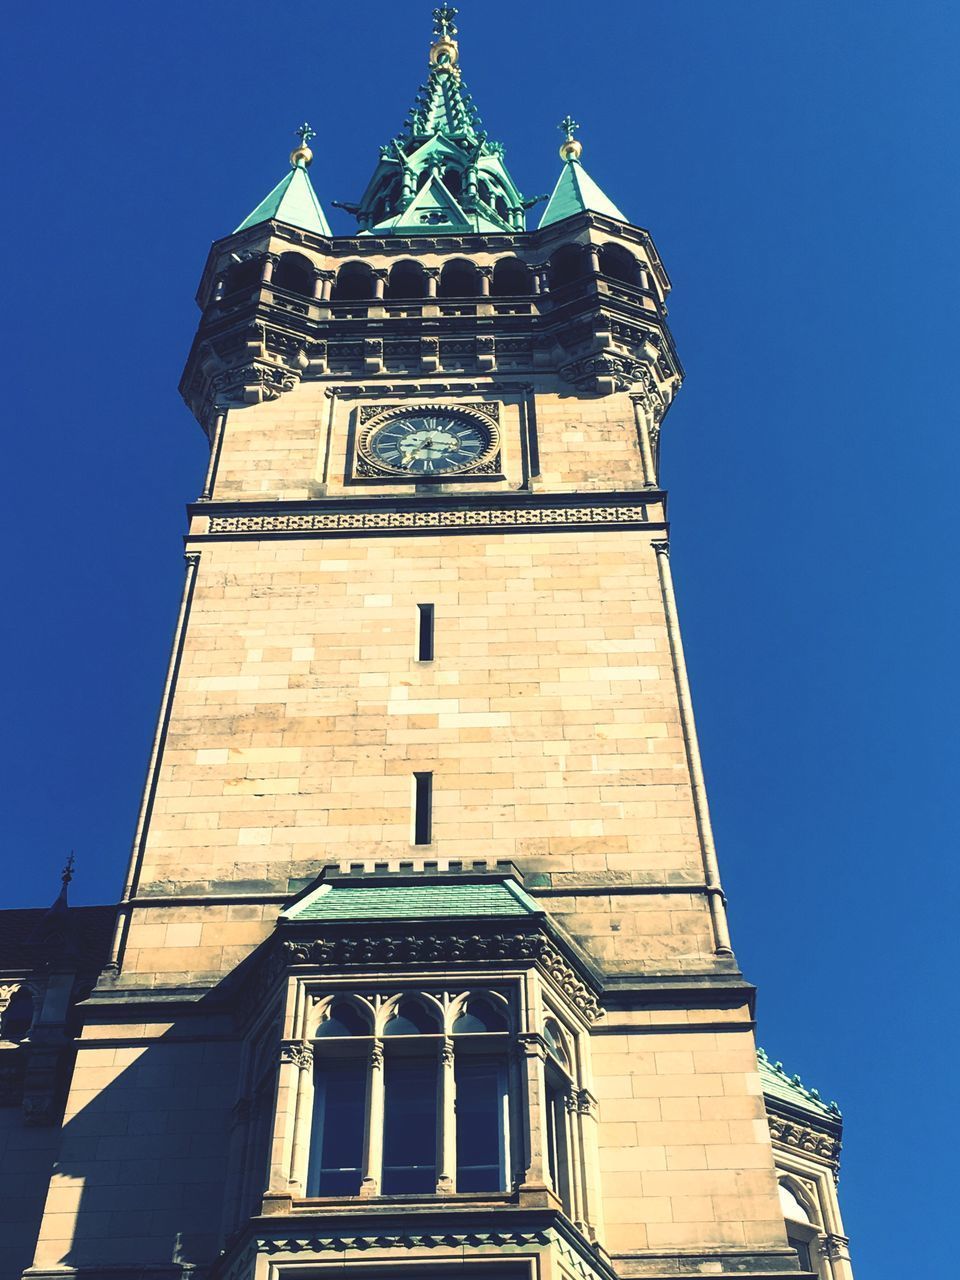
(301,157)
(571,148)
(445,52)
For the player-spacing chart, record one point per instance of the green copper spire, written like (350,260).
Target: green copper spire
(293,200)
(441,173)
(576,192)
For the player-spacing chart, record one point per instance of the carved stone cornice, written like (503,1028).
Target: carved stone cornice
(433,944)
(799,1136)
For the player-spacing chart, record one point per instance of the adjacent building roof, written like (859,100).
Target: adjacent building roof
(470,900)
(778,1086)
(30,937)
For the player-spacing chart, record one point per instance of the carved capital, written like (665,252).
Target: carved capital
(662,548)
(297,1054)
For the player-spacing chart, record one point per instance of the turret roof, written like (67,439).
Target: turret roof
(576,192)
(293,200)
(791,1089)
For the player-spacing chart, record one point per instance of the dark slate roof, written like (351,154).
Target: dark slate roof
(779,1087)
(491,898)
(29,936)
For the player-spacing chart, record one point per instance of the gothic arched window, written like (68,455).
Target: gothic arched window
(801,1228)
(411,1098)
(294,273)
(512,279)
(567,265)
(619,264)
(459,279)
(407,280)
(354,283)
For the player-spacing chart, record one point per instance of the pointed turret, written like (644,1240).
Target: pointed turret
(576,192)
(293,200)
(441,173)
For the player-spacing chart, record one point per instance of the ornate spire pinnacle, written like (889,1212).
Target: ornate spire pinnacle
(572,149)
(442,172)
(444,21)
(67,874)
(301,157)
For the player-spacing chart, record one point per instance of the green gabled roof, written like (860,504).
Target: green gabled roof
(576,192)
(434,211)
(489,898)
(790,1089)
(293,201)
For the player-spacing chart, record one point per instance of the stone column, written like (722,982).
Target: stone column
(542,275)
(486,276)
(447,1173)
(586,1125)
(379,284)
(268,262)
(593,252)
(433,280)
(373,1139)
(533,1056)
(302,1122)
(646,448)
(216,439)
(711,870)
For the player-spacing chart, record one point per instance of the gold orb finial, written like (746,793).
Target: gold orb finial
(571,149)
(301,157)
(445,52)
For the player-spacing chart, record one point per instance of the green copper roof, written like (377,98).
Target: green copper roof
(496,898)
(576,192)
(294,201)
(778,1085)
(441,172)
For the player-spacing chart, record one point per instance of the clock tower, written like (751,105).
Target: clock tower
(422,961)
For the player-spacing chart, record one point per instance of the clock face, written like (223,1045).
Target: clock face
(428,444)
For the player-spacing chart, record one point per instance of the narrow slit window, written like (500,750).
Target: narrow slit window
(423,808)
(425,632)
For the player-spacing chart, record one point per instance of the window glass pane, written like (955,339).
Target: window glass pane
(410,1126)
(480,1115)
(336,1155)
(553,1162)
(411,1019)
(803,1250)
(344,1020)
(479,1015)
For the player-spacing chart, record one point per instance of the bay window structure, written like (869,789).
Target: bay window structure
(411,1095)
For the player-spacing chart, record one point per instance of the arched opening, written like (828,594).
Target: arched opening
(407,280)
(18,1016)
(483,191)
(801,1229)
(568,265)
(344,1019)
(241,277)
(479,1015)
(453,181)
(411,1018)
(556,1043)
(423,178)
(354,283)
(459,279)
(619,264)
(500,205)
(512,278)
(294,273)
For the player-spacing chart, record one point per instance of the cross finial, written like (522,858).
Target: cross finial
(571,148)
(67,874)
(569,127)
(305,133)
(444,22)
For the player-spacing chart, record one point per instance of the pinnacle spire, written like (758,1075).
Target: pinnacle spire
(441,172)
(576,192)
(293,200)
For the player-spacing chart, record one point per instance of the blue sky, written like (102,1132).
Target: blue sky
(796,163)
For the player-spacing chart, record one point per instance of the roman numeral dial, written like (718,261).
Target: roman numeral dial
(421,444)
